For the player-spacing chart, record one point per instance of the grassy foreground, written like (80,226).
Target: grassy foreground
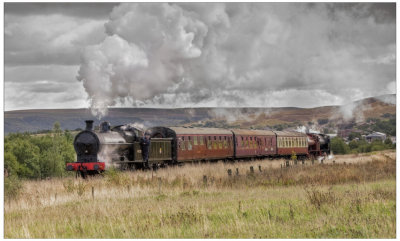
(356,200)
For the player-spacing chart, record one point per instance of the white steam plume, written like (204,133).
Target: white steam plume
(236,55)
(143,55)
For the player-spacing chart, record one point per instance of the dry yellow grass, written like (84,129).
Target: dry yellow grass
(176,202)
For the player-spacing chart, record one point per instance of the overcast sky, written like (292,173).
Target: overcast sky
(75,55)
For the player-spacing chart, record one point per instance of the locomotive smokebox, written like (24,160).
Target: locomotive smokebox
(89,125)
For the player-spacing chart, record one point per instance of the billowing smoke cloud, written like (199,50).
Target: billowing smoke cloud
(238,55)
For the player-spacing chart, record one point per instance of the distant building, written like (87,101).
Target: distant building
(376,136)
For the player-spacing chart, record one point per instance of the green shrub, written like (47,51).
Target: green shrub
(338,146)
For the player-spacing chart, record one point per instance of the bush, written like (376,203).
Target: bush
(338,146)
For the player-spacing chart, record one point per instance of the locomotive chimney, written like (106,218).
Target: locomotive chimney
(89,125)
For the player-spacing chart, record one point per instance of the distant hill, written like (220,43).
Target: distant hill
(260,118)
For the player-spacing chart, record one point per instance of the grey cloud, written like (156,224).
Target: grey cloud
(99,10)
(381,12)
(44,96)
(55,86)
(45,40)
(47,87)
(33,74)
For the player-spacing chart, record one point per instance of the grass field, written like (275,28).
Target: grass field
(331,200)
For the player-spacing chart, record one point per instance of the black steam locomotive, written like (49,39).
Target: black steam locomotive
(119,146)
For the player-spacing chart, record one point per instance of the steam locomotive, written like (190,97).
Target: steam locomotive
(119,146)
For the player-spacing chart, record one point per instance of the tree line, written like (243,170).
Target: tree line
(38,156)
(338,146)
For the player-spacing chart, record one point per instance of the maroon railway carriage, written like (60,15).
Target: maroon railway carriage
(254,143)
(289,142)
(197,143)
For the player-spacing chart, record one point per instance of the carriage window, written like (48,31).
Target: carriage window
(251,138)
(182,145)
(195,140)
(201,140)
(189,138)
(242,138)
(209,145)
(215,138)
(220,138)
(183,138)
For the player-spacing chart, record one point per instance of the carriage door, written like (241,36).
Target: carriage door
(259,146)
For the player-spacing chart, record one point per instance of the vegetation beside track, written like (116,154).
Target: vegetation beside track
(353,197)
